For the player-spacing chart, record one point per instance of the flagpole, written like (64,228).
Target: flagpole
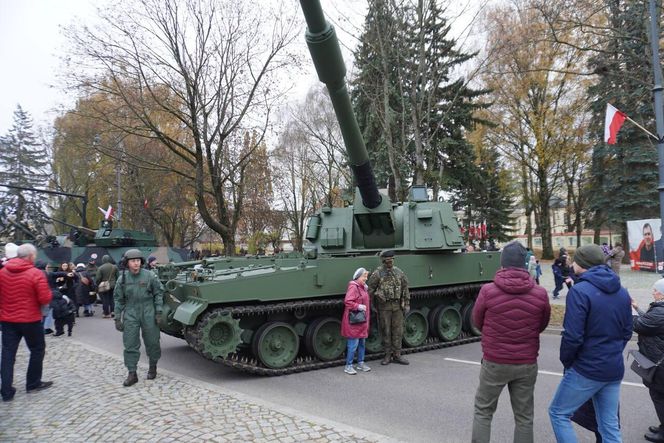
(657,96)
(642,128)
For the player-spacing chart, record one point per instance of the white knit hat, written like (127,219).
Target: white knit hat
(358,273)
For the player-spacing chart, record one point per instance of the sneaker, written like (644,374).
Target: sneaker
(48,331)
(362,367)
(349,370)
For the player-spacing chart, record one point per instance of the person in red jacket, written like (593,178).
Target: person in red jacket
(23,290)
(356,331)
(511,312)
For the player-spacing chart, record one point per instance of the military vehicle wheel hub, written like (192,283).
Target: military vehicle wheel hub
(323,339)
(415,329)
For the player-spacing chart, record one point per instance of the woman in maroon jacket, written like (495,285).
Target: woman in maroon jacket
(356,300)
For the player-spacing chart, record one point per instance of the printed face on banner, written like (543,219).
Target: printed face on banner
(646,251)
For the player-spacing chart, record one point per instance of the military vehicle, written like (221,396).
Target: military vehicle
(283,315)
(84,244)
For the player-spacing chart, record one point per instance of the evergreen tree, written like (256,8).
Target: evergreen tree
(413,114)
(23,162)
(623,184)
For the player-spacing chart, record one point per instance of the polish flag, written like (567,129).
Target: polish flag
(612,123)
(484,230)
(108,213)
(471,231)
(145,203)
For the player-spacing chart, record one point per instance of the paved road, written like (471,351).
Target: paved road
(429,401)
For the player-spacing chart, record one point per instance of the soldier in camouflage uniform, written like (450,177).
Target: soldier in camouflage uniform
(388,288)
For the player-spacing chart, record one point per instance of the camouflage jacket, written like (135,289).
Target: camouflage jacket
(389,284)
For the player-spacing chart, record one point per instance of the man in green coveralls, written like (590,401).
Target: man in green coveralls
(388,288)
(138,305)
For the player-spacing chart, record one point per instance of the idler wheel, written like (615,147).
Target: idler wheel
(276,344)
(323,339)
(217,334)
(446,322)
(415,329)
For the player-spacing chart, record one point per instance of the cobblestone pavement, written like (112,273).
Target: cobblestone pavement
(88,403)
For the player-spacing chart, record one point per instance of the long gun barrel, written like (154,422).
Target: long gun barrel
(326,54)
(87,231)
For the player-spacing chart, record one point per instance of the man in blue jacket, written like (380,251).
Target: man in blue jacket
(597,326)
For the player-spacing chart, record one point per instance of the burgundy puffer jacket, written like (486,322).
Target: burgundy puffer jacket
(23,289)
(511,312)
(356,295)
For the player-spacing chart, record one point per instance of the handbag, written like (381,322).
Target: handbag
(643,366)
(357,316)
(104,286)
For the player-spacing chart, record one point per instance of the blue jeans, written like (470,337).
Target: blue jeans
(352,345)
(573,391)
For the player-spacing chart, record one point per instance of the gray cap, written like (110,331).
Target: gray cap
(588,256)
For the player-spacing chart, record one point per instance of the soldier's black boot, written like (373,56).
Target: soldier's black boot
(132,379)
(152,371)
(399,359)
(387,359)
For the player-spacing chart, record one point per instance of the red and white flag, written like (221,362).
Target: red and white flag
(108,213)
(145,203)
(612,123)
(484,236)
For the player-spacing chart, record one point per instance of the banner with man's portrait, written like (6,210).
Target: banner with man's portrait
(646,251)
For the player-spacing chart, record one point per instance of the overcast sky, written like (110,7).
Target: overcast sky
(31,44)
(30,47)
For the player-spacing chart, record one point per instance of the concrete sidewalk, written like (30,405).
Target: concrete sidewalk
(638,283)
(88,403)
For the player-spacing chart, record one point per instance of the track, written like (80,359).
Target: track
(246,362)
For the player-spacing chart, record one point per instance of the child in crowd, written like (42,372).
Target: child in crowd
(64,313)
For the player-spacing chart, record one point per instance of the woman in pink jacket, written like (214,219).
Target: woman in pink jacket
(357,299)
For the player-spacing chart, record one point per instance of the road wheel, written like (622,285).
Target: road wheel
(323,339)
(276,344)
(468,325)
(415,329)
(446,322)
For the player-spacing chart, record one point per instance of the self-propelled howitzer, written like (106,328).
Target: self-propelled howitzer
(281,315)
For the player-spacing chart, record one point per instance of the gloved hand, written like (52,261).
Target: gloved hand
(362,307)
(157,317)
(118,325)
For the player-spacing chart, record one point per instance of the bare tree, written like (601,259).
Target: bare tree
(211,66)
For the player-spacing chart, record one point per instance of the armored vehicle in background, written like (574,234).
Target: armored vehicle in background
(283,315)
(85,244)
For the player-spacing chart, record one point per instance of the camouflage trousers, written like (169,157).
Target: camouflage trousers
(391,325)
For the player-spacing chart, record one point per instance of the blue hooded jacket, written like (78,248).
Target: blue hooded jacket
(597,325)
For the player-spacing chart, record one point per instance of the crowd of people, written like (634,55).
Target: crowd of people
(33,299)
(511,312)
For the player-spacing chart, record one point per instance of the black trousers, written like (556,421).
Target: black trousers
(61,322)
(12,333)
(107,302)
(658,400)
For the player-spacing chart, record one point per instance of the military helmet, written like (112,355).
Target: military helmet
(134,253)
